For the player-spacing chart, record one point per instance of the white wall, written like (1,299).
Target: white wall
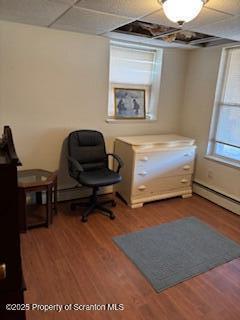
(53,82)
(200,87)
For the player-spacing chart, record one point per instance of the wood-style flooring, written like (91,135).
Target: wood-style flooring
(76,263)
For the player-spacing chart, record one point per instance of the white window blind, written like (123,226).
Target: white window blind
(227,134)
(131,66)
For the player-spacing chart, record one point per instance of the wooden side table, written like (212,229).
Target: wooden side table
(37,180)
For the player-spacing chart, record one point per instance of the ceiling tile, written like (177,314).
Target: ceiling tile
(227,6)
(127,8)
(82,20)
(206,17)
(159,17)
(69,2)
(229,29)
(37,12)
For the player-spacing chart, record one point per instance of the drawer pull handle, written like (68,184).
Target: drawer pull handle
(141,188)
(184,181)
(144,159)
(3,272)
(186,167)
(186,154)
(143,173)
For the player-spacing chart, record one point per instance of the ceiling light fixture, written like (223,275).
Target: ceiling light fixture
(181,11)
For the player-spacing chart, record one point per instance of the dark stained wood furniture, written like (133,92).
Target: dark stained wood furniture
(11,278)
(38,181)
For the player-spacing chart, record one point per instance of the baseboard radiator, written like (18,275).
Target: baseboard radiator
(217,197)
(79,192)
(198,188)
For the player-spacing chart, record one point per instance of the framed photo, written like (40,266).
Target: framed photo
(129,103)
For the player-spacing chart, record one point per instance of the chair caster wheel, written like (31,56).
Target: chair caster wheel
(114,204)
(84,219)
(112,217)
(73,206)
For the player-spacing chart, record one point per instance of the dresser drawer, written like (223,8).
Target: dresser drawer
(165,184)
(164,163)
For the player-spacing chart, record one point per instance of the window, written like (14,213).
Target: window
(225,137)
(135,67)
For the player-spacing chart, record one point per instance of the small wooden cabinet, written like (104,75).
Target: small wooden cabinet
(155,167)
(11,278)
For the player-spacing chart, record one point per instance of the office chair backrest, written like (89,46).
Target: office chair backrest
(88,148)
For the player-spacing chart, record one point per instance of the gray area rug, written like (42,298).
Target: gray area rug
(173,252)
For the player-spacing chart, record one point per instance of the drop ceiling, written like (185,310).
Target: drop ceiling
(218,19)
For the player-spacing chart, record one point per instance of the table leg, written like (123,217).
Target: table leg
(55,197)
(49,205)
(39,197)
(22,214)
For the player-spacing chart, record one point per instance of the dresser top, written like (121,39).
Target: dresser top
(162,139)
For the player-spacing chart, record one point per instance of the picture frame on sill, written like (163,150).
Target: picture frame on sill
(130,103)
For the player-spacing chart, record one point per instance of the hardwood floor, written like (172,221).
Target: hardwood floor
(76,263)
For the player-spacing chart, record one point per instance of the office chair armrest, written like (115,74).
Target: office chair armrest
(118,159)
(76,165)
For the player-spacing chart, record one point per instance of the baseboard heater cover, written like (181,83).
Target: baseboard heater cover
(198,188)
(217,197)
(79,192)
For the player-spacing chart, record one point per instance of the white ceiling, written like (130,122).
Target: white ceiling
(218,18)
(89,21)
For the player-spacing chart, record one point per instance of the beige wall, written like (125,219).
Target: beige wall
(200,86)
(53,82)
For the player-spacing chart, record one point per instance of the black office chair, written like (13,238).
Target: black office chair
(88,164)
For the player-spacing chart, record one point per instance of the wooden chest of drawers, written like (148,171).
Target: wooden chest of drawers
(11,278)
(156,167)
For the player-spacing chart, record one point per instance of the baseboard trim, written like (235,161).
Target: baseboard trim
(217,197)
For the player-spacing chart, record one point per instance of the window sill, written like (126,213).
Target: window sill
(223,161)
(129,121)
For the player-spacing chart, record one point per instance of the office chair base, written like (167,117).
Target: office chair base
(94,205)
(105,211)
(73,206)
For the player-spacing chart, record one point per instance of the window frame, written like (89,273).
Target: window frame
(218,104)
(152,90)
